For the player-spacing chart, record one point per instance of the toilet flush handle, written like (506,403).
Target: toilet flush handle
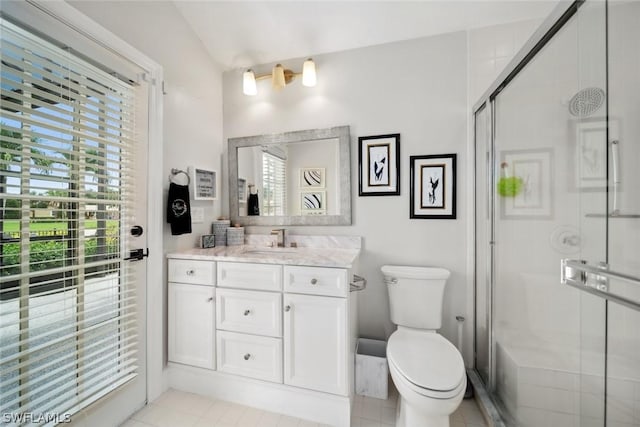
(393,280)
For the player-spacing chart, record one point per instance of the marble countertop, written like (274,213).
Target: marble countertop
(317,257)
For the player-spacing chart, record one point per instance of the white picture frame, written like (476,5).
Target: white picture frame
(313,202)
(205,183)
(312,178)
(591,147)
(534,168)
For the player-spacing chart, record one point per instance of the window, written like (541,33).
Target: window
(274,171)
(67,301)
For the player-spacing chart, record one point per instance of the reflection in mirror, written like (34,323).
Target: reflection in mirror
(291,179)
(294,178)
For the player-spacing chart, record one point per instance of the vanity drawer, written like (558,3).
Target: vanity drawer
(263,277)
(192,271)
(250,356)
(251,312)
(316,281)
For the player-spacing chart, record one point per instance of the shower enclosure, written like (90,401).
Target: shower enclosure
(557,168)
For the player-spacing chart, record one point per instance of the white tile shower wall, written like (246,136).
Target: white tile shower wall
(491,49)
(540,395)
(416,88)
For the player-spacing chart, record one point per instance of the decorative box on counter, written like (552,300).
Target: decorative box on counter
(235,236)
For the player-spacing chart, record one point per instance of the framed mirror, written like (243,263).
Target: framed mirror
(291,178)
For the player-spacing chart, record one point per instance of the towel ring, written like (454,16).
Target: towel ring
(175,172)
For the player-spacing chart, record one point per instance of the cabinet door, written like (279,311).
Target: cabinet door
(191,325)
(315,343)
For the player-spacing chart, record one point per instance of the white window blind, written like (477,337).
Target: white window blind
(68,332)
(274,185)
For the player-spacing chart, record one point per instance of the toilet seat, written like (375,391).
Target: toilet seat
(427,362)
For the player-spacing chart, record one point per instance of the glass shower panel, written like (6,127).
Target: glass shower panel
(623,337)
(550,204)
(482,255)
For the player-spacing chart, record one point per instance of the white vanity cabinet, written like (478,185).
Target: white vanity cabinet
(191,314)
(268,331)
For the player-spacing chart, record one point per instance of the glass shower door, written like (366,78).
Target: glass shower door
(550,149)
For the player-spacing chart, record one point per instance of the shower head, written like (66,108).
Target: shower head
(586,102)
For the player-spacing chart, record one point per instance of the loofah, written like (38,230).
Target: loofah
(510,186)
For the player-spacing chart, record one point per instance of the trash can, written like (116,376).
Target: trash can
(372,371)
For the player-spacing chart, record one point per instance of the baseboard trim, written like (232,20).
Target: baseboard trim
(297,402)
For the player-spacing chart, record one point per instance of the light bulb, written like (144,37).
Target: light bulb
(309,73)
(249,83)
(277,77)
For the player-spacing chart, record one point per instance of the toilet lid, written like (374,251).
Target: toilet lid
(426,359)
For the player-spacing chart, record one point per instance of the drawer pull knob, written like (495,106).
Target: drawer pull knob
(247,356)
(247,312)
(287,308)
(190,272)
(314,281)
(209,299)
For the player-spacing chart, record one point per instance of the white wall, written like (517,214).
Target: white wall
(416,88)
(192,104)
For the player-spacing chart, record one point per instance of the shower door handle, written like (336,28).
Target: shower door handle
(595,280)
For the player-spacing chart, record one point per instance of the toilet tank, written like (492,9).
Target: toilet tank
(416,295)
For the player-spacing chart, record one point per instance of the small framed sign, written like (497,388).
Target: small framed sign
(205,183)
(242,190)
(208,241)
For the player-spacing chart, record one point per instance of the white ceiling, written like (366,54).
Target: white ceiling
(245,33)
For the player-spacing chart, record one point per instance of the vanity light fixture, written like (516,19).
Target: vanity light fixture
(280,77)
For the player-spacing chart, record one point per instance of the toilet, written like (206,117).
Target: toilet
(426,368)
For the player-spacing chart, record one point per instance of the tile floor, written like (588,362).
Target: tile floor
(179,409)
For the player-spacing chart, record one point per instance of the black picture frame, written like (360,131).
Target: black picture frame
(379,165)
(432,186)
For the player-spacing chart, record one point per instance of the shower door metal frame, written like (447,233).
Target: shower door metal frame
(487,108)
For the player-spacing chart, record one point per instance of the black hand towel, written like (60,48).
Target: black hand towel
(253,205)
(179,209)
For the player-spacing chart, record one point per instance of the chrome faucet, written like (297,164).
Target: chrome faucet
(281,238)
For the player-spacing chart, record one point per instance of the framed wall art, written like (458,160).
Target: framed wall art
(591,147)
(533,171)
(433,187)
(379,165)
(312,178)
(313,202)
(205,183)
